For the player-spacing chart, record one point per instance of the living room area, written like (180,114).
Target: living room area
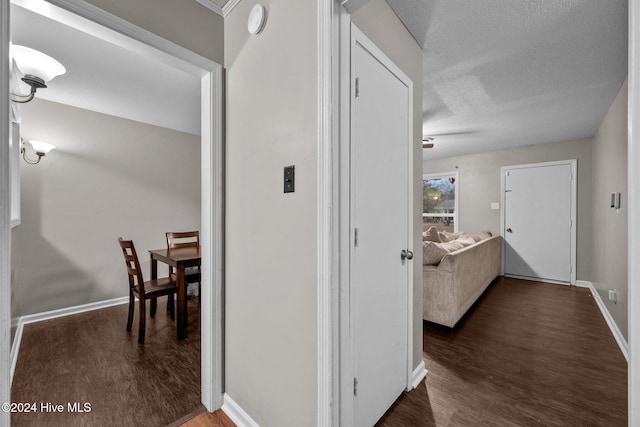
(471,310)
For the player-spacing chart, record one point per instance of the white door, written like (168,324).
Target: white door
(538,221)
(380,230)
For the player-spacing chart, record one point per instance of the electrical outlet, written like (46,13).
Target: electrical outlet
(495,205)
(613,296)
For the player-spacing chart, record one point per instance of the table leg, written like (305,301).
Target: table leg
(154,268)
(182,303)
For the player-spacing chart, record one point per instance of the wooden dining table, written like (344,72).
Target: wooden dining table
(179,259)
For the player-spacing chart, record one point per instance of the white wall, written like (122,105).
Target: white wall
(271,122)
(479,186)
(610,228)
(108,177)
(270,250)
(378,21)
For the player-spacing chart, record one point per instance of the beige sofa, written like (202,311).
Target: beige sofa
(452,286)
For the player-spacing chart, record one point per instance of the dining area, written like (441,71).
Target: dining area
(159,367)
(182,257)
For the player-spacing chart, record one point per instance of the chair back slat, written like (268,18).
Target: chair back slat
(183,239)
(133,264)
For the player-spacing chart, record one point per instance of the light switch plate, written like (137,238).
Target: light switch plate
(289,179)
(615,200)
(495,205)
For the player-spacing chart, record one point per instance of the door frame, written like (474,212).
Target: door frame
(212,175)
(350,35)
(574,197)
(358,38)
(5,215)
(334,71)
(633,282)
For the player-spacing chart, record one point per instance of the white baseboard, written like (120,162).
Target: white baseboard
(15,347)
(46,315)
(236,413)
(622,343)
(418,375)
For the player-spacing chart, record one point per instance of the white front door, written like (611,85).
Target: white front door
(380,197)
(538,221)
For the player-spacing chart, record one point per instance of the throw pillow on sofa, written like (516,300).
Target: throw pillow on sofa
(432,252)
(431,234)
(480,235)
(464,240)
(452,246)
(451,236)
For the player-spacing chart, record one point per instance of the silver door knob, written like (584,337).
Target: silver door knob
(405,254)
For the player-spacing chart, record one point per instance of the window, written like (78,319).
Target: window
(440,201)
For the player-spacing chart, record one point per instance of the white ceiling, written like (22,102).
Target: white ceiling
(497,73)
(505,73)
(110,79)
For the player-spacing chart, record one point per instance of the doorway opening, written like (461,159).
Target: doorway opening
(209,74)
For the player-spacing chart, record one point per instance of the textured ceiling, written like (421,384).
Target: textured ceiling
(109,79)
(505,73)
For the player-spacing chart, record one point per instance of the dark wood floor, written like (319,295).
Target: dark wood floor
(527,354)
(90,358)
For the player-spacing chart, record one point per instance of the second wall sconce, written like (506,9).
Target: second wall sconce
(39,147)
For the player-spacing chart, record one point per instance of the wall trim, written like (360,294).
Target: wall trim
(212,241)
(633,291)
(53,314)
(222,11)
(536,279)
(418,375)
(622,342)
(211,6)
(227,8)
(5,214)
(101,24)
(238,415)
(324,286)
(341,81)
(353,5)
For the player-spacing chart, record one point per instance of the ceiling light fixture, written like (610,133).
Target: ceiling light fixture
(37,69)
(39,147)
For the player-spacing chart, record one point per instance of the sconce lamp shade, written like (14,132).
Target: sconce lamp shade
(34,63)
(41,148)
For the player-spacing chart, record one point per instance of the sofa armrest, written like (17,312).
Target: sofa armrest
(451,287)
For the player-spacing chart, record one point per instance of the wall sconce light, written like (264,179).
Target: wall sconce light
(39,147)
(37,69)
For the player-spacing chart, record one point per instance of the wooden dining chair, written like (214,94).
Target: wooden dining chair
(149,290)
(185,239)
